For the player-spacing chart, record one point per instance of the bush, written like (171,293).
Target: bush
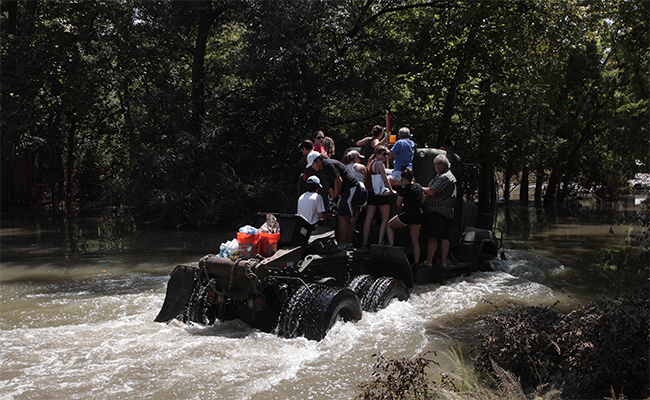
(598,349)
(399,378)
(407,379)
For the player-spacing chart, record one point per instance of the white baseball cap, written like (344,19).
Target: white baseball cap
(315,180)
(313,155)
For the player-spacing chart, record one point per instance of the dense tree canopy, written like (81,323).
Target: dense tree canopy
(191,112)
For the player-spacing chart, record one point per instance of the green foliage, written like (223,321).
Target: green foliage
(596,349)
(194,186)
(117,90)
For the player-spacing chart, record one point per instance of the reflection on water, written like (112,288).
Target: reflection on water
(78,297)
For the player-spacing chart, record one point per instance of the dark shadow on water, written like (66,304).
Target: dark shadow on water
(46,236)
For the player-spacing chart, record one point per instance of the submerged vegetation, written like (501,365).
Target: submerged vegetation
(596,351)
(408,379)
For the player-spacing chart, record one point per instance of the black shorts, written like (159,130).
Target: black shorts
(410,217)
(436,225)
(374,200)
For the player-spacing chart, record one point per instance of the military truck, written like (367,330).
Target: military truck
(309,284)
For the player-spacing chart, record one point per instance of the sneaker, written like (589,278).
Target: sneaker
(341,247)
(349,246)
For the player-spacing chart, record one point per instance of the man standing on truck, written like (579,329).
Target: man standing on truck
(439,209)
(344,185)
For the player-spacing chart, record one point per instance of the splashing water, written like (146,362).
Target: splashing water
(90,337)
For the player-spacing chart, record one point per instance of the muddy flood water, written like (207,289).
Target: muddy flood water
(78,297)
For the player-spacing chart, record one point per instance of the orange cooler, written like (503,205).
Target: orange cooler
(247,244)
(268,243)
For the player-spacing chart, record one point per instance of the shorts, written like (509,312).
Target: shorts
(351,199)
(374,200)
(394,175)
(410,217)
(436,225)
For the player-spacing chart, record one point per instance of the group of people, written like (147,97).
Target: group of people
(363,179)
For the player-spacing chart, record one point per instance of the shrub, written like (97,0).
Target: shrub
(407,379)
(598,349)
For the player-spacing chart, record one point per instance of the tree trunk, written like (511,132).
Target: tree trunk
(551,191)
(12,16)
(539,183)
(28,23)
(12,71)
(198,71)
(523,187)
(72,144)
(486,182)
(506,179)
(459,76)
(6,170)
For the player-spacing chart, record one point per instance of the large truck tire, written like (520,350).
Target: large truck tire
(360,285)
(382,292)
(329,305)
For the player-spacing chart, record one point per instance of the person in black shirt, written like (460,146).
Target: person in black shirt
(368,144)
(344,185)
(410,198)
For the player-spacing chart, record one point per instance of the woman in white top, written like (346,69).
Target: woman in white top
(352,160)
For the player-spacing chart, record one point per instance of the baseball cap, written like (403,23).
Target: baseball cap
(313,155)
(314,179)
(352,154)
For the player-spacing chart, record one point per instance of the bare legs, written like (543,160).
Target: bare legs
(394,223)
(432,246)
(370,214)
(385,215)
(414,231)
(345,229)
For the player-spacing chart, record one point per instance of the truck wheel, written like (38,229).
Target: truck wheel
(360,285)
(328,306)
(381,292)
(293,311)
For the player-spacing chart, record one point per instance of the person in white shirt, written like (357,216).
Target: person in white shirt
(310,203)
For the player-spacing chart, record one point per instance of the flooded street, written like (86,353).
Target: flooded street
(78,299)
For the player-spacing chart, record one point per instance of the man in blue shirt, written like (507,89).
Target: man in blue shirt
(402,153)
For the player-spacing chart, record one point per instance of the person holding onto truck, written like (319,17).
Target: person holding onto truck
(306,147)
(440,198)
(344,185)
(310,203)
(410,198)
(352,160)
(369,143)
(375,201)
(402,154)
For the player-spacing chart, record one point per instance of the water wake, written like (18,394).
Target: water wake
(95,337)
